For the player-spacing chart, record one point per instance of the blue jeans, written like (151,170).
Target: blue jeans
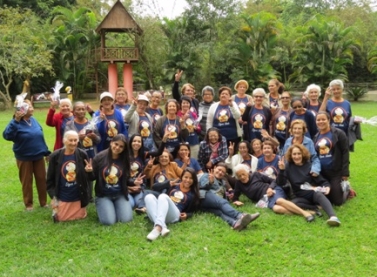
(135,200)
(111,209)
(161,210)
(219,206)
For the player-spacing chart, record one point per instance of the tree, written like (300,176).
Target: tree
(23,49)
(323,50)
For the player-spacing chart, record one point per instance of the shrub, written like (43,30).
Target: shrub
(356,92)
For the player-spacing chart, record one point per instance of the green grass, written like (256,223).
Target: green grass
(274,245)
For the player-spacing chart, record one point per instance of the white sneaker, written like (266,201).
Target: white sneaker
(165,232)
(154,234)
(333,221)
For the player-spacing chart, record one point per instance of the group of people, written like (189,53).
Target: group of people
(291,155)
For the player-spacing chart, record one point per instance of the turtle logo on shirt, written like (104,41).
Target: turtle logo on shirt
(223,116)
(242,107)
(112,131)
(338,117)
(145,132)
(177,197)
(258,124)
(71,172)
(281,124)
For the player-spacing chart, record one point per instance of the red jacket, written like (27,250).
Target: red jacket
(56,120)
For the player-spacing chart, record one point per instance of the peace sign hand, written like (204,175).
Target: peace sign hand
(231,149)
(173,182)
(88,166)
(134,101)
(211,176)
(139,179)
(150,162)
(178,75)
(281,163)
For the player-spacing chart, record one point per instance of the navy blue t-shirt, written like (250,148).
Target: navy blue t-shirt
(181,199)
(271,169)
(113,178)
(68,187)
(193,164)
(325,150)
(225,122)
(257,123)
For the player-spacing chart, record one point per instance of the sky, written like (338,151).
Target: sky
(164,8)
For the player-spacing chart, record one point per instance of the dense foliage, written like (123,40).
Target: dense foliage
(215,42)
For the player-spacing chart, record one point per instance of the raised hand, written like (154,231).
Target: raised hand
(178,75)
(230,102)
(231,149)
(167,133)
(281,163)
(88,165)
(133,101)
(18,115)
(173,182)
(150,162)
(186,160)
(139,179)
(328,92)
(211,176)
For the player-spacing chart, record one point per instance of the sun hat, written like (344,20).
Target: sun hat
(142,98)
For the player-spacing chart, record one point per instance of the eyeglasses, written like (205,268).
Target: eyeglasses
(207,94)
(284,97)
(296,107)
(258,96)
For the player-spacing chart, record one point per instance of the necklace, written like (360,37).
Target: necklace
(28,122)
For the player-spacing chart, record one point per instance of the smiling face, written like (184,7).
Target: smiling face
(225,96)
(183,151)
(267,150)
(117,147)
(65,108)
(141,106)
(337,91)
(189,91)
(241,89)
(323,123)
(207,96)
(297,130)
(107,102)
(187,180)
(79,111)
(219,172)
(156,99)
(121,97)
(272,87)
(213,137)
(256,146)
(313,94)
(298,107)
(185,105)
(164,159)
(70,142)
(258,98)
(242,148)
(136,143)
(242,175)
(172,108)
(285,99)
(297,156)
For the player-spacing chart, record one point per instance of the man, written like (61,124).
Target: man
(213,188)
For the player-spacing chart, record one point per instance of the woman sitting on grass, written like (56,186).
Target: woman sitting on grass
(67,184)
(255,185)
(305,186)
(183,158)
(177,204)
(111,171)
(213,189)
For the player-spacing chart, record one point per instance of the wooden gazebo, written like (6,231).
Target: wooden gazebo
(118,20)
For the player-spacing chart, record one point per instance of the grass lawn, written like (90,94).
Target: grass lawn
(274,245)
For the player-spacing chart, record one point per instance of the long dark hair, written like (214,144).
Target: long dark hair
(178,147)
(194,187)
(140,152)
(206,138)
(248,146)
(124,157)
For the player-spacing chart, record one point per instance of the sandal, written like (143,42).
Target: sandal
(141,211)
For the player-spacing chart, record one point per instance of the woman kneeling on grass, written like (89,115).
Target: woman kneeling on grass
(308,189)
(177,204)
(255,185)
(111,171)
(213,187)
(67,184)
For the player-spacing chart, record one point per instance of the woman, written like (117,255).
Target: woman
(121,100)
(67,182)
(182,154)
(273,100)
(177,204)
(187,89)
(338,108)
(241,99)
(256,185)
(137,160)
(172,123)
(257,116)
(331,145)
(213,149)
(112,121)
(60,119)
(256,148)
(154,109)
(224,116)
(268,164)
(165,170)
(279,126)
(111,171)
(297,170)
(88,134)
(191,121)
(297,131)
(213,190)
(29,148)
(243,156)
(312,94)
(208,94)
(140,122)
(299,112)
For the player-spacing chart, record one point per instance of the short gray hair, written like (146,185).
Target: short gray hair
(240,167)
(67,101)
(261,90)
(68,133)
(313,86)
(208,88)
(337,82)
